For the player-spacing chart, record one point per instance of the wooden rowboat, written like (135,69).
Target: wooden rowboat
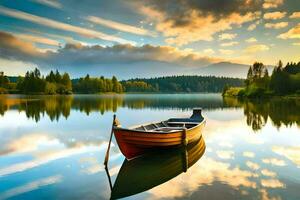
(146,172)
(173,132)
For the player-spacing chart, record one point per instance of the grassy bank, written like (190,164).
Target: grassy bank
(254,92)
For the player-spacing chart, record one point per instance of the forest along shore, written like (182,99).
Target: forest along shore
(57,83)
(283,82)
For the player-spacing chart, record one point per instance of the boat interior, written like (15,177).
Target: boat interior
(171,125)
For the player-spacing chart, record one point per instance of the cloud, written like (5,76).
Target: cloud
(207,172)
(12,48)
(226,51)
(291,153)
(208,51)
(28,143)
(267,172)
(248,154)
(277,25)
(43,159)
(178,9)
(60,25)
(251,40)
(272,183)
(272,3)
(226,144)
(15,67)
(66,39)
(295,15)
(120,26)
(38,39)
(183,22)
(225,154)
(50,3)
(252,165)
(256,48)
(265,195)
(274,15)
(293,33)
(227,36)
(78,55)
(229,44)
(253,26)
(274,161)
(31,186)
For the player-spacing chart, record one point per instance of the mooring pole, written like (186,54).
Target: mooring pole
(108,148)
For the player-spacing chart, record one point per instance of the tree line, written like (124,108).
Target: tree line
(57,83)
(186,84)
(283,81)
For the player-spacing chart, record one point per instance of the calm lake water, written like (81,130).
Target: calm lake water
(54,147)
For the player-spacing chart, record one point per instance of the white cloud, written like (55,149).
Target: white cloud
(34,185)
(272,3)
(277,25)
(295,15)
(251,40)
(291,153)
(14,48)
(267,172)
(202,27)
(227,36)
(248,154)
(272,183)
(226,51)
(208,51)
(253,26)
(293,33)
(120,26)
(60,25)
(252,165)
(38,39)
(274,15)
(256,48)
(51,3)
(226,144)
(225,154)
(274,161)
(206,173)
(43,159)
(229,44)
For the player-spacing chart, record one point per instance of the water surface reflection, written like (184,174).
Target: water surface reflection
(53,148)
(143,173)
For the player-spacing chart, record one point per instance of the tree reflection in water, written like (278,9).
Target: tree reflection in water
(55,107)
(279,111)
(258,112)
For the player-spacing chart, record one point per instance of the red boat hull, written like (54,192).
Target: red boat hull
(134,143)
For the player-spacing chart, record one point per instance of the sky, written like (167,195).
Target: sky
(136,38)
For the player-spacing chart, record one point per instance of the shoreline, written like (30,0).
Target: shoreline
(235,92)
(111,93)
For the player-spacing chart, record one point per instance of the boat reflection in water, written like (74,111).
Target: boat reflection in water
(143,173)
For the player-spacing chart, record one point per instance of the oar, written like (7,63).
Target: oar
(108,176)
(111,134)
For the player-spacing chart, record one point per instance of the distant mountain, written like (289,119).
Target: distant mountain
(125,71)
(227,69)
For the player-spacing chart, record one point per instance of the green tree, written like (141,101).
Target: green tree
(32,83)
(67,83)
(4,81)
(57,77)
(50,88)
(279,80)
(51,77)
